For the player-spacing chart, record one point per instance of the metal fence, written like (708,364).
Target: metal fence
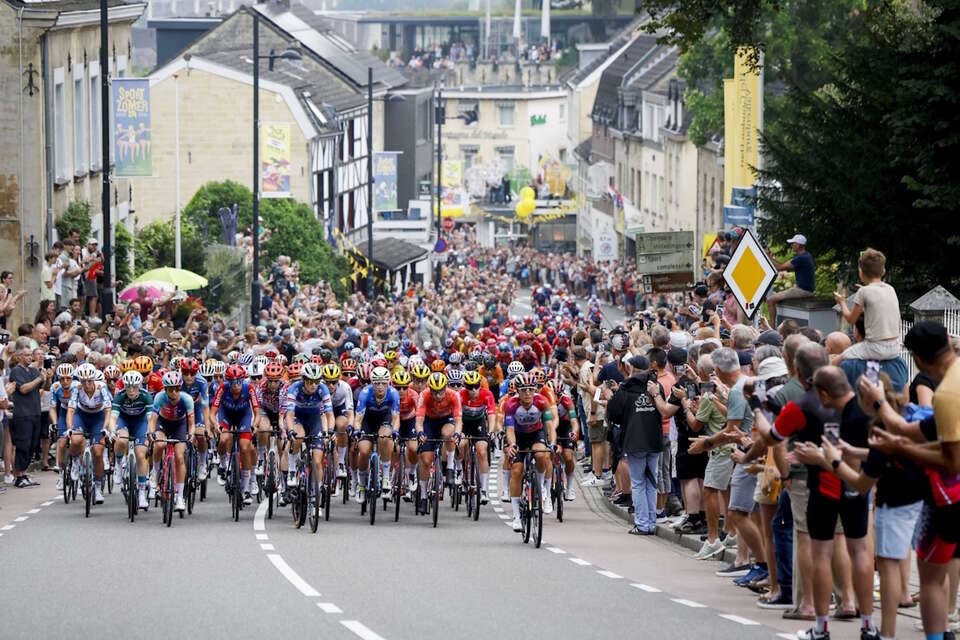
(951,320)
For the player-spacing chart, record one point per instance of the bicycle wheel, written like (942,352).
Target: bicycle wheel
(301,499)
(295,508)
(346,487)
(325,500)
(475,472)
(559,491)
(87,485)
(397,489)
(109,478)
(526,510)
(133,489)
(437,489)
(67,482)
(169,492)
(270,482)
(536,510)
(316,501)
(236,493)
(468,489)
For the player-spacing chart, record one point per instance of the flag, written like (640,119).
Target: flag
(545,21)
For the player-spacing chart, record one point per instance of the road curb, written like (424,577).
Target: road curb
(599,503)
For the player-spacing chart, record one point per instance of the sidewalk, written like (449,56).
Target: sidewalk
(15,502)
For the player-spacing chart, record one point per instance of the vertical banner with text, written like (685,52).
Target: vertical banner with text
(274,160)
(385,181)
(742,102)
(131,136)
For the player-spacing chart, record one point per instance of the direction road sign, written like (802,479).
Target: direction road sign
(749,274)
(665,242)
(667,282)
(665,262)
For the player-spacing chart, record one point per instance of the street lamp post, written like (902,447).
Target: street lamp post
(291,53)
(106,139)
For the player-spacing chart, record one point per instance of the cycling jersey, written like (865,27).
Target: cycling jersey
(526,419)
(60,398)
(566,413)
(197,391)
(377,413)
(408,404)
(341,399)
(172,414)
(132,414)
(475,411)
(447,406)
(93,403)
(270,400)
(235,411)
(308,409)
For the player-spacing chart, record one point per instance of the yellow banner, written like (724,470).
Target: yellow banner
(708,240)
(274,160)
(741,124)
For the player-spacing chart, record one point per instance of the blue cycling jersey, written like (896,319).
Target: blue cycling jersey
(198,391)
(307,406)
(378,412)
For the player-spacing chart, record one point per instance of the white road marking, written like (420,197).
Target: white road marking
(580,561)
(498,509)
(556,550)
(689,603)
(32,511)
(262,536)
(266,546)
(8,527)
(738,619)
(329,607)
(259,516)
(787,636)
(645,587)
(503,516)
(47,504)
(609,574)
(361,630)
(292,576)
(21,518)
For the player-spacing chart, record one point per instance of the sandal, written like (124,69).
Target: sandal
(845,614)
(794,614)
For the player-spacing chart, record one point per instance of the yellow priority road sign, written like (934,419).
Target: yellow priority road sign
(749,274)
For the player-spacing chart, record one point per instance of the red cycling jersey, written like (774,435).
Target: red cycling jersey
(477,408)
(408,404)
(430,407)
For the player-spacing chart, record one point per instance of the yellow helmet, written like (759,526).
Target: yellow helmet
(390,356)
(401,378)
(126,365)
(471,378)
(420,371)
(437,381)
(330,372)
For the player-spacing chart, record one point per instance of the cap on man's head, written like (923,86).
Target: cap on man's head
(798,239)
(927,340)
(639,362)
(677,356)
(772,368)
(769,337)
(93,241)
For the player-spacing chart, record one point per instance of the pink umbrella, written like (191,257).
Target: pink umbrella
(154,290)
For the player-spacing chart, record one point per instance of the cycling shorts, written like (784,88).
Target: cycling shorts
(312,423)
(173,429)
(565,434)
(236,421)
(340,410)
(938,533)
(475,428)
(61,423)
(372,423)
(823,512)
(135,426)
(527,440)
(273,417)
(408,428)
(92,425)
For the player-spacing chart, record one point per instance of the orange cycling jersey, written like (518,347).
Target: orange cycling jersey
(430,407)
(502,403)
(408,404)
(492,377)
(548,393)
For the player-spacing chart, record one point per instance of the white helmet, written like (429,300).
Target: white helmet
(132,379)
(86,371)
(65,370)
(514,368)
(255,369)
(380,374)
(172,379)
(262,360)
(98,376)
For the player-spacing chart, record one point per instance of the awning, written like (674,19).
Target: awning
(392,253)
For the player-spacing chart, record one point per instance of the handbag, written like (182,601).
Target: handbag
(770,482)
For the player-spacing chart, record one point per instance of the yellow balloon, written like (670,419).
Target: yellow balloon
(527,193)
(525,208)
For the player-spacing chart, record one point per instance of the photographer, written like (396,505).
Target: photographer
(637,409)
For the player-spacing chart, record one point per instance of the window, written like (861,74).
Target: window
(423,120)
(59,125)
(469,154)
(506,155)
(79,146)
(506,113)
(95,134)
(463,106)
(121,66)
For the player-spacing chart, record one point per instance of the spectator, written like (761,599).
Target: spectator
(48,277)
(25,384)
(877,302)
(92,264)
(803,266)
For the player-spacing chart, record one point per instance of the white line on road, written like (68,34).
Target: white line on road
(361,630)
(258,517)
(609,574)
(21,518)
(329,607)
(262,536)
(503,516)
(689,603)
(580,561)
(787,636)
(738,619)
(8,527)
(292,576)
(266,546)
(32,511)
(556,550)
(645,587)
(47,504)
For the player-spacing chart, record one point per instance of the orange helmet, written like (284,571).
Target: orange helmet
(143,364)
(349,365)
(294,370)
(274,371)
(438,365)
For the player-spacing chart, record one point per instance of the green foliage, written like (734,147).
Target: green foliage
(76,216)
(228,276)
(686,22)
(155,246)
(871,157)
(123,245)
(569,58)
(203,206)
(380,54)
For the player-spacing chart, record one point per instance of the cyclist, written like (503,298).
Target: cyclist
(307,413)
(174,414)
(439,415)
(568,432)
(479,420)
(524,418)
(111,375)
(90,405)
(196,386)
(409,397)
(60,393)
(547,391)
(341,398)
(510,392)
(129,418)
(490,370)
(377,416)
(236,407)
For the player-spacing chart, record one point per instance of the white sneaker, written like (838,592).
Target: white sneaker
(179,504)
(116,474)
(202,472)
(221,480)
(97,494)
(504,495)
(386,486)
(336,490)
(59,483)
(458,476)
(9,478)
(361,495)
(517,525)
(547,506)
(412,486)
(153,480)
(730,542)
(291,478)
(247,498)
(571,495)
(709,550)
(74,470)
(259,467)
(152,495)
(142,499)
(341,470)
(483,497)
(593,481)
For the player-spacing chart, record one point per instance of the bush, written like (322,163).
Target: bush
(203,206)
(154,247)
(77,216)
(229,278)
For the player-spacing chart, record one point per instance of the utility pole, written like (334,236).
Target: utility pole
(439,115)
(255,229)
(370,267)
(106,138)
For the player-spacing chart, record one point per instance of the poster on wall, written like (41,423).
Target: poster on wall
(605,246)
(131,116)
(385,181)
(275,160)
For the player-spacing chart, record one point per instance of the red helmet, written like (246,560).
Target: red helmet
(363,371)
(271,354)
(155,382)
(379,362)
(349,365)
(189,365)
(316,359)
(235,372)
(551,332)
(294,369)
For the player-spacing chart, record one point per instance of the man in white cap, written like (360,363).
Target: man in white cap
(802,266)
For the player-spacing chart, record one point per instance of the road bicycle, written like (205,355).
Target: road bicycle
(469,488)
(558,490)
(307,499)
(399,478)
(531,505)
(128,480)
(191,482)
(435,482)
(374,486)
(233,485)
(69,484)
(329,480)
(166,482)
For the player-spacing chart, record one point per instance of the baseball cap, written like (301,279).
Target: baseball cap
(926,340)
(639,362)
(772,368)
(799,239)
(769,337)
(677,356)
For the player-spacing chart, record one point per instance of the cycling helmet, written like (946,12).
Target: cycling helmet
(476,356)
(326,354)
(316,359)
(189,365)
(262,359)
(379,361)
(330,372)
(380,374)
(219,368)
(132,379)
(437,381)
(392,345)
(402,361)
(111,372)
(514,368)
(524,381)
(363,371)
(255,369)
(175,362)
(455,358)
(471,379)
(126,365)
(420,371)
(235,372)
(294,370)
(348,346)
(489,361)
(281,360)
(401,378)
(349,366)
(511,387)
(155,382)
(471,366)
(273,371)
(270,354)
(311,371)
(245,358)
(208,369)
(232,356)
(438,366)
(455,376)
(356,353)
(538,377)
(86,371)
(301,358)
(98,376)
(172,379)
(143,364)
(65,370)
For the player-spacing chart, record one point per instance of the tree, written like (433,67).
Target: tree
(871,157)
(207,201)
(76,216)
(155,247)
(684,23)
(229,278)
(123,245)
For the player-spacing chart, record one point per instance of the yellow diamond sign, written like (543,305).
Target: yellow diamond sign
(749,274)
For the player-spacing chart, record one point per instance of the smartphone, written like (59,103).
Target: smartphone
(691,391)
(760,390)
(4,338)
(53,341)
(707,387)
(831,431)
(720,310)
(873,371)
(680,370)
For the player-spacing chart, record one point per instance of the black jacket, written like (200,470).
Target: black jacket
(632,408)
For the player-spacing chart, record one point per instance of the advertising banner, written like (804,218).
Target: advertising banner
(131,116)
(274,160)
(385,181)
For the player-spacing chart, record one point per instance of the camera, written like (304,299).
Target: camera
(49,362)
